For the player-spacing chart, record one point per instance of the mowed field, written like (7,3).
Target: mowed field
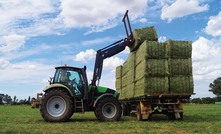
(200,119)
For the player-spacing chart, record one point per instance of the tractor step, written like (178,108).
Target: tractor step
(79,106)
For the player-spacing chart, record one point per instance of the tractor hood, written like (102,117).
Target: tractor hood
(104,90)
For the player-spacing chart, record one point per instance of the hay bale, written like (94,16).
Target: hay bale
(152,67)
(128,91)
(180,49)
(129,63)
(142,34)
(151,85)
(152,50)
(125,68)
(181,84)
(118,84)
(124,81)
(119,72)
(180,66)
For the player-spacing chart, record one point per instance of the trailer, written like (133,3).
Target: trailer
(145,106)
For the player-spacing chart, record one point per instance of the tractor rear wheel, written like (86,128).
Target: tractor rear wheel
(108,109)
(56,106)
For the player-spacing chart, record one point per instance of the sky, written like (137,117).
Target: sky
(38,35)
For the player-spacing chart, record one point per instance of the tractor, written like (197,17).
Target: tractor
(69,91)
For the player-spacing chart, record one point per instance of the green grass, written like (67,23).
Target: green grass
(197,119)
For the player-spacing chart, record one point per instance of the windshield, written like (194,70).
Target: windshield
(70,78)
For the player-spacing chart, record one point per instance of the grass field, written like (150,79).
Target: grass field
(197,119)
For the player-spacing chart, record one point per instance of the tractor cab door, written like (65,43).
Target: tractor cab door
(70,78)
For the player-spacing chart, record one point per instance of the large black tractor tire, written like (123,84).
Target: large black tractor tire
(108,109)
(56,106)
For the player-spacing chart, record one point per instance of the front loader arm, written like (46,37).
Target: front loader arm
(112,50)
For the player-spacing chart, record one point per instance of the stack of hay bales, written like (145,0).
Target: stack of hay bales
(180,62)
(151,69)
(155,68)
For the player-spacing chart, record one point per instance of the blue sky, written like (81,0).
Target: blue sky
(38,35)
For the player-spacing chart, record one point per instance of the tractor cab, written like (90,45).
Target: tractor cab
(72,77)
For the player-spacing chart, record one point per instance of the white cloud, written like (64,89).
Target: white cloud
(25,72)
(206,56)
(99,14)
(162,39)
(214,25)
(143,20)
(85,56)
(112,62)
(181,8)
(22,79)
(3,63)
(11,42)
(23,13)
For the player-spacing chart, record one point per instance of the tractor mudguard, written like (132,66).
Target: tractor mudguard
(100,97)
(58,86)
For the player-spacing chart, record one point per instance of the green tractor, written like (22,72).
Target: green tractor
(69,91)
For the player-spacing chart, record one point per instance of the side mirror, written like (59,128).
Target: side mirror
(50,81)
(85,68)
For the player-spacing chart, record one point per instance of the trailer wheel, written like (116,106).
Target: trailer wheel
(56,106)
(108,109)
(139,115)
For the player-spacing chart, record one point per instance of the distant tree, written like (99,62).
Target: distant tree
(29,100)
(196,100)
(1,98)
(7,99)
(215,87)
(21,101)
(15,100)
(208,100)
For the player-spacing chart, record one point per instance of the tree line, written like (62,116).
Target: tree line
(205,100)
(6,99)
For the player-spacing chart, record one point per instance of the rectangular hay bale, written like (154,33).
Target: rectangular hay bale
(152,67)
(180,49)
(129,63)
(118,84)
(180,66)
(127,92)
(152,50)
(151,85)
(181,84)
(142,34)
(119,72)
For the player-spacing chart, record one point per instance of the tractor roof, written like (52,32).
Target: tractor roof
(65,66)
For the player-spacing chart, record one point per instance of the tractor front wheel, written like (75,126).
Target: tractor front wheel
(56,106)
(108,109)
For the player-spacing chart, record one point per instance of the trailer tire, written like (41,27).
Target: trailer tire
(108,109)
(56,106)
